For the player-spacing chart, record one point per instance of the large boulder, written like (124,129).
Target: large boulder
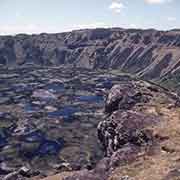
(125,127)
(125,124)
(124,96)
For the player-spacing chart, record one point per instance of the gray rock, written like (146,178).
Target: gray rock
(5,100)
(124,96)
(11,176)
(43,94)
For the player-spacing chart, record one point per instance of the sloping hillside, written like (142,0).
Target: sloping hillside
(147,53)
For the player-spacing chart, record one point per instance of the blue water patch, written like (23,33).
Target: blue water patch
(31,108)
(46,147)
(5,115)
(107,84)
(22,88)
(49,147)
(3,141)
(90,98)
(66,112)
(55,87)
(32,137)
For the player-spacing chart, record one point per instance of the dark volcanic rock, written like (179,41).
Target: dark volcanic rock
(85,174)
(125,155)
(123,128)
(173,175)
(100,172)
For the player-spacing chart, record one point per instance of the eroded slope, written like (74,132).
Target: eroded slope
(147,53)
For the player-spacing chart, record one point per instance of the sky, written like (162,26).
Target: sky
(52,16)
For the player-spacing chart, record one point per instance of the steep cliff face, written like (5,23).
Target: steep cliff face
(147,53)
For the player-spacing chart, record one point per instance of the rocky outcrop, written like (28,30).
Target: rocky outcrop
(124,97)
(134,133)
(147,53)
(126,127)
